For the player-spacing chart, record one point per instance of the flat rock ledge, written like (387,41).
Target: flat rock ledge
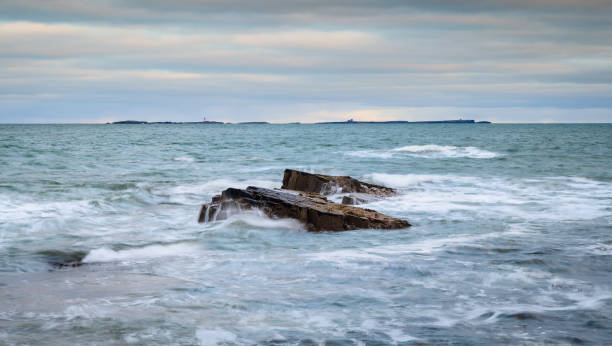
(314,210)
(329,184)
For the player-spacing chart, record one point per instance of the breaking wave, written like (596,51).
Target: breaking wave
(148,252)
(441,151)
(256,218)
(549,198)
(429,151)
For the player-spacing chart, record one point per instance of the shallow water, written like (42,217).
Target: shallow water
(511,243)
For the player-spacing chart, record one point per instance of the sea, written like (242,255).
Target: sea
(511,240)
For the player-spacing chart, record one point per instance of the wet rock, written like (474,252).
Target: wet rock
(522,316)
(63,259)
(329,184)
(314,210)
(353,200)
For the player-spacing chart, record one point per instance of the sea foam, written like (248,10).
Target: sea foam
(214,337)
(428,151)
(148,252)
(257,219)
(444,151)
(183,159)
(463,197)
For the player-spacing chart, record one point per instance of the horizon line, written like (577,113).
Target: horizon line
(424,122)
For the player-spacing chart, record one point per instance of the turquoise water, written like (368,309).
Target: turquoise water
(511,243)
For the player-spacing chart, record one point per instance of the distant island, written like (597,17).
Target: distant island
(136,122)
(458,121)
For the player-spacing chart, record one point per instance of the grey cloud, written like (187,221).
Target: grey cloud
(99,57)
(248,12)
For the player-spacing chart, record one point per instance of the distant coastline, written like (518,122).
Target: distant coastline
(350,121)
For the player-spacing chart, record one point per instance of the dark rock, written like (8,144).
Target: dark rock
(328,184)
(63,259)
(522,316)
(315,211)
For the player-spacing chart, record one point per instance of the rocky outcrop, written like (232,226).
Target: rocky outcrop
(329,184)
(314,210)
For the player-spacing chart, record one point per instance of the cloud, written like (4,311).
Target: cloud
(383,58)
(311,39)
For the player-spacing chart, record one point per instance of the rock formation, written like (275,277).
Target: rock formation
(314,210)
(328,184)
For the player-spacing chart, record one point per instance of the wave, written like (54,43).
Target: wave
(466,197)
(257,219)
(430,151)
(17,208)
(410,180)
(148,252)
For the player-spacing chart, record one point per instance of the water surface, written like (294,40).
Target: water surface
(511,243)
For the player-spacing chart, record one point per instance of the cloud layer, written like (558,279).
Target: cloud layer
(513,61)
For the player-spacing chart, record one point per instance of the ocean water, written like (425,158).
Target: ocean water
(511,243)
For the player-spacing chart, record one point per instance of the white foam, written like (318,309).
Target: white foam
(552,198)
(474,310)
(432,245)
(371,154)
(212,337)
(385,253)
(428,151)
(344,257)
(397,335)
(410,180)
(153,251)
(14,209)
(581,302)
(442,151)
(184,159)
(257,219)
(600,249)
(425,247)
(426,148)
(87,311)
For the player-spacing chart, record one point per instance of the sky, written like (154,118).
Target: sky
(90,61)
